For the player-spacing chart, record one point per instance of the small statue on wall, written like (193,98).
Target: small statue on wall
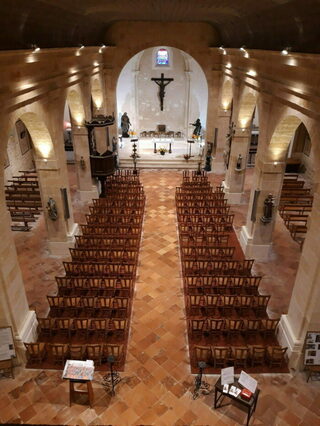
(125,125)
(52,209)
(239,162)
(268,209)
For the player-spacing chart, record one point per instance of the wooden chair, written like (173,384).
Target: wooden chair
(251,327)
(63,326)
(81,326)
(260,304)
(195,304)
(100,327)
(215,327)
(116,351)
(73,305)
(269,327)
(59,352)
(239,355)
(118,327)
(275,356)
(220,355)
(227,305)
(202,353)
(56,304)
(105,306)
(35,352)
(244,303)
(77,351)
(257,355)
(196,327)
(213,302)
(94,352)
(45,326)
(89,306)
(234,327)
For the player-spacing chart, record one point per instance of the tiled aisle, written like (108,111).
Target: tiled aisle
(156,383)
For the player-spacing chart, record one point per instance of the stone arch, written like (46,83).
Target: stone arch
(281,137)
(75,103)
(96,92)
(226,95)
(247,104)
(40,135)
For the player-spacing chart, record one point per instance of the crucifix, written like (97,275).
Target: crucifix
(162,83)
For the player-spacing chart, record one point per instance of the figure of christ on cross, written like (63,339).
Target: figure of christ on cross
(162,83)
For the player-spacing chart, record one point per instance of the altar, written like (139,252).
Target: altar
(162,142)
(149,152)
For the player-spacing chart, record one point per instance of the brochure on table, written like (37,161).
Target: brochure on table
(78,370)
(245,380)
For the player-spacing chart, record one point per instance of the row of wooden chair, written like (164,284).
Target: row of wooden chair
(94,286)
(103,269)
(194,240)
(240,356)
(92,306)
(207,252)
(215,327)
(84,326)
(223,284)
(226,305)
(60,352)
(217,267)
(104,254)
(23,200)
(97,241)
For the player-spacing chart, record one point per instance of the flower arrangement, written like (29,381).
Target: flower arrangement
(162,150)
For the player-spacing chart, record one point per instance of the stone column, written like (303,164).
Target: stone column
(304,309)
(87,187)
(234,180)
(60,231)
(14,309)
(256,235)
(111,100)
(223,130)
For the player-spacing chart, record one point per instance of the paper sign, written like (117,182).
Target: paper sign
(227,375)
(248,382)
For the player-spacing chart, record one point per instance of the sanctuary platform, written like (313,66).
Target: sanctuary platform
(150,159)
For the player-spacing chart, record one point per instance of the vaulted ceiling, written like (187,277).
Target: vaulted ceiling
(257,24)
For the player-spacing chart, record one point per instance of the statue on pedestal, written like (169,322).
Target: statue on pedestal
(197,128)
(125,125)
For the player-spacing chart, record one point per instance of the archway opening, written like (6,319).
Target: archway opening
(166,113)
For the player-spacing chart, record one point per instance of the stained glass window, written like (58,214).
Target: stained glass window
(162,57)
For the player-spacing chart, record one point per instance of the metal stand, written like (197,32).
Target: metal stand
(134,156)
(111,379)
(200,385)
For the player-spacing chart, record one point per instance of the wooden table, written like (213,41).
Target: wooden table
(250,405)
(73,391)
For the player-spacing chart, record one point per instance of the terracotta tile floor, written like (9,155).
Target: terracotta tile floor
(157,384)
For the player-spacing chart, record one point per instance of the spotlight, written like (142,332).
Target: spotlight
(35,48)
(243,48)
(286,51)
(103,46)
(223,50)
(81,46)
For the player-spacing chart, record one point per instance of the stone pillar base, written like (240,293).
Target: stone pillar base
(232,197)
(27,334)
(61,248)
(288,339)
(218,167)
(87,196)
(260,252)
